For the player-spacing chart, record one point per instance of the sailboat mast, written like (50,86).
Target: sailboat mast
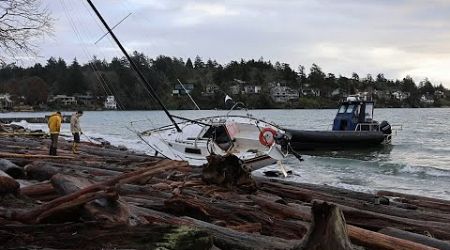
(133,65)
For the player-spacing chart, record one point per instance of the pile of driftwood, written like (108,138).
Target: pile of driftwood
(107,197)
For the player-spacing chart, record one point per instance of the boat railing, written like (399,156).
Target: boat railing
(367,127)
(396,127)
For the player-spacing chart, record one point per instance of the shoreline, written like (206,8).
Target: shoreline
(144,193)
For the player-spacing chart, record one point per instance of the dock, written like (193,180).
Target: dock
(108,197)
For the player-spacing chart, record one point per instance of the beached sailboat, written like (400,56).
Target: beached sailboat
(255,141)
(252,140)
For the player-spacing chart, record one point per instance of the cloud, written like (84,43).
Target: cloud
(395,37)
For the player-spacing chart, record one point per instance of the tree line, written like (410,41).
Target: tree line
(100,78)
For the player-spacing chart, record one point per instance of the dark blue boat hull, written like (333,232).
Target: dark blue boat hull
(305,140)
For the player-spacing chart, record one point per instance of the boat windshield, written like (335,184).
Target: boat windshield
(350,108)
(342,109)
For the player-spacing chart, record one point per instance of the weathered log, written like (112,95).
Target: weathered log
(224,238)
(325,189)
(11,169)
(296,194)
(8,185)
(208,210)
(110,210)
(38,190)
(33,156)
(441,207)
(328,229)
(98,236)
(33,215)
(82,167)
(418,238)
(377,221)
(41,171)
(412,197)
(73,204)
(66,184)
(284,211)
(374,240)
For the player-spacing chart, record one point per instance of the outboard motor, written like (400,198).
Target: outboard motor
(385,127)
(285,142)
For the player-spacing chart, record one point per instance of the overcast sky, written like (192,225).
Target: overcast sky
(394,37)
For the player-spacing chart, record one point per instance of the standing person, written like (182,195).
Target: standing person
(54,125)
(76,130)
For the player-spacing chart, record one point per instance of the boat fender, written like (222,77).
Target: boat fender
(267,136)
(385,127)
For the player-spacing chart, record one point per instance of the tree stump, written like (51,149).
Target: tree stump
(328,229)
(228,171)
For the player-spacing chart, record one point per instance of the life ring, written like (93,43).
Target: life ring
(267,136)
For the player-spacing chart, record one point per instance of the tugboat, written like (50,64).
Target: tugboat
(353,127)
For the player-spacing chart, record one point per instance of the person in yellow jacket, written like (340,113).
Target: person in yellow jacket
(54,125)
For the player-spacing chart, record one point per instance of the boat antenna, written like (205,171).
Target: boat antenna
(187,93)
(133,65)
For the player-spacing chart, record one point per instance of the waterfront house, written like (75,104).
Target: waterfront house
(5,102)
(235,89)
(62,100)
(252,89)
(110,102)
(282,94)
(87,100)
(179,90)
(439,94)
(400,95)
(307,90)
(427,99)
(210,89)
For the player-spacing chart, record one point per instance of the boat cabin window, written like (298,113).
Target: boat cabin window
(369,112)
(342,109)
(350,108)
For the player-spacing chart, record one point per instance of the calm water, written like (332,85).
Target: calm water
(417,162)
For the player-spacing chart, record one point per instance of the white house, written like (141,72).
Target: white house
(63,100)
(283,94)
(427,99)
(184,89)
(399,95)
(252,89)
(5,101)
(110,102)
(439,94)
(210,89)
(235,89)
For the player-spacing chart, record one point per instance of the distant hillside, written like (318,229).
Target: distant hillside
(259,84)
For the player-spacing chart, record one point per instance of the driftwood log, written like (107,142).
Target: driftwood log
(111,187)
(418,238)
(11,169)
(8,185)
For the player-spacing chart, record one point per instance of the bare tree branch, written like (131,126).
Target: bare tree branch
(21,22)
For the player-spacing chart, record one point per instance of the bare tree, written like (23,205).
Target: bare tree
(21,21)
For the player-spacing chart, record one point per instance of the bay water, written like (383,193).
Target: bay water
(417,161)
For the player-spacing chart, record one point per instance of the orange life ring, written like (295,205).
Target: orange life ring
(267,136)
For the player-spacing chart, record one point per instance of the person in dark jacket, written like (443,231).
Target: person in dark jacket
(54,125)
(75,128)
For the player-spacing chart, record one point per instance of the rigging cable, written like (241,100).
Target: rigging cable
(104,85)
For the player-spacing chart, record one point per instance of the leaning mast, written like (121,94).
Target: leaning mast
(133,65)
